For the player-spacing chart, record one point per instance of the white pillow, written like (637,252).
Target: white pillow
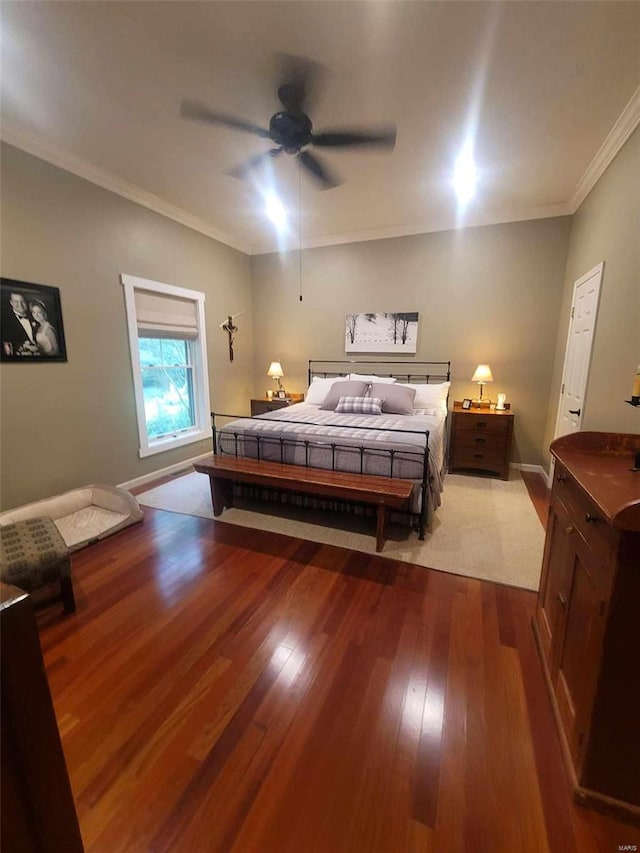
(429,396)
(359,377)
(319,388)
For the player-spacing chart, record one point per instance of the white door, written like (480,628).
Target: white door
(582,324)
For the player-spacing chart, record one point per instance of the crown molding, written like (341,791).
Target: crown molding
(623,128)
(491,218)
(61,158)
(57,156)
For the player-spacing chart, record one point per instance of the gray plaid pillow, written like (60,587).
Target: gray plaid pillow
(359,406)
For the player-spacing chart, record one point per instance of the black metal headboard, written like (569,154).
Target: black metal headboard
(419,371)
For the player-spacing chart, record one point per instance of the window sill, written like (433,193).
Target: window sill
(162,444)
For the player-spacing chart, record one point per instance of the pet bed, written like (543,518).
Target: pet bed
(82,516)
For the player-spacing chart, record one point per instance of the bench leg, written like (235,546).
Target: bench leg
(381,527)
(66,593)
(220,494)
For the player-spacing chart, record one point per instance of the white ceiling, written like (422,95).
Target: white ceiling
(537,86)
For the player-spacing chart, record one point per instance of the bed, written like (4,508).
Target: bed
(409,446)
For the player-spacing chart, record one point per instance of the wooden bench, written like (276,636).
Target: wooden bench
(383,492)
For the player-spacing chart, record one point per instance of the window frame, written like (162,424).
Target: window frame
(202,407)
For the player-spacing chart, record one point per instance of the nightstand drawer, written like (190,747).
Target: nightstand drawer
(478,442)
(483,460)
(261,407)
(471,422)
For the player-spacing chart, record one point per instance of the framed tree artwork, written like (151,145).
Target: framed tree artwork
(397,332)
(31,327)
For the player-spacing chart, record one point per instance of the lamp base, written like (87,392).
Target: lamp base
(482,403)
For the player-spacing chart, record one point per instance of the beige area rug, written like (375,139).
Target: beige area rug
(485,528)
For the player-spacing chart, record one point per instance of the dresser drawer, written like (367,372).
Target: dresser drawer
(585,515)
(476,423)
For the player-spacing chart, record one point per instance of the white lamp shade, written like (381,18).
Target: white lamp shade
(275,370)
(482,374)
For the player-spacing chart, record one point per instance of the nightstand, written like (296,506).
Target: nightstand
(481,440)
(262,405)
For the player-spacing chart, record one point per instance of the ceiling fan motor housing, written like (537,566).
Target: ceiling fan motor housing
(292,131)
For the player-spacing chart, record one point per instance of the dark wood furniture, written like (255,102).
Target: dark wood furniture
(587,621)
(38,812)
(383,492)
(481,440)
(261,405)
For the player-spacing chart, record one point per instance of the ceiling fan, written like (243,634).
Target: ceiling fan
(291,128)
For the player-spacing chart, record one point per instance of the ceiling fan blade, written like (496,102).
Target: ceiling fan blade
(299,80)
(198,112)
(383,138)
(327,178)
(243,170)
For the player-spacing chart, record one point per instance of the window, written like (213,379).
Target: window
(168,359)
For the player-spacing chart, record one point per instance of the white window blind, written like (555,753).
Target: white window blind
(159,315)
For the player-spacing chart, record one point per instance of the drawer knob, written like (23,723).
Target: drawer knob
(569,529)
(561,478)
(479,440)
(478,455)
(481,424)
(590,519)
(562,599)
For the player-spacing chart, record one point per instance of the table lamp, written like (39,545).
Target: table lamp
(275,372)
(481,376)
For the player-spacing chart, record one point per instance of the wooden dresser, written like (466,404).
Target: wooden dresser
(481,440)
(587,621)
(37,808)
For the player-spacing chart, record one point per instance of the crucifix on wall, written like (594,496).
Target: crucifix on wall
(230,328)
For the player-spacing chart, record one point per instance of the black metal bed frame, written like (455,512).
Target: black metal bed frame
(442,376)
(284,443)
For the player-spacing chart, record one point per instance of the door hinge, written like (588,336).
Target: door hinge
(562,389)
(572,312)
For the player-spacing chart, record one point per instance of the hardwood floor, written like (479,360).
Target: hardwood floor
(221,689)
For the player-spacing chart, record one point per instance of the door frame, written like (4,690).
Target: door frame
(599,268)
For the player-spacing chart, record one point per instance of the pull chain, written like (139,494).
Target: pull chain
(300,230)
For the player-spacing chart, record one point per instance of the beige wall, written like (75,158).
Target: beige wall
(606,228)
(488,294)
(69,424)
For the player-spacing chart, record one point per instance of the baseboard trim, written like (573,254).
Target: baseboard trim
(535,469)
(160,472)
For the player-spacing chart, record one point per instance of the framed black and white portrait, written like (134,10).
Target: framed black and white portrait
(31,322)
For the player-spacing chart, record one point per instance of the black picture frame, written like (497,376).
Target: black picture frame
(46,341)
(466,403)
(281,395)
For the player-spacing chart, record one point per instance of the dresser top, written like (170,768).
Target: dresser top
(601,464)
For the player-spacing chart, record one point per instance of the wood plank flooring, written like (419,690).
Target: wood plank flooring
(221,689)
